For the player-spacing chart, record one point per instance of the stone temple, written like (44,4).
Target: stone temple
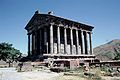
(55,37)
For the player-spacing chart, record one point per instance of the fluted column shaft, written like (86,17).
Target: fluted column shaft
(51,39)
(90,40)
(40,33)
(81,38)
(45,40)
(77,43)
(86,42)
(65,41)
(28,44)
(58,39)
(45,36)
(71,39)
(33,43)
(36,43)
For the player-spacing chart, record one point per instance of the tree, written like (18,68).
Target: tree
(8,53)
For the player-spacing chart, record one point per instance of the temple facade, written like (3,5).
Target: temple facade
(53,36)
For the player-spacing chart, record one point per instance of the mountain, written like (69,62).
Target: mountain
(108,51)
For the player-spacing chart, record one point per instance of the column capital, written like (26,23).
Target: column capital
(77,29)
(71,28)
(28,34)
(66,26)
(52,23)
(90,32)
(85,31)
(81,30)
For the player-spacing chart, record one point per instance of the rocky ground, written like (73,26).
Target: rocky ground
(12,74)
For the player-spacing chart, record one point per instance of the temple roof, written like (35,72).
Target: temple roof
(48,18)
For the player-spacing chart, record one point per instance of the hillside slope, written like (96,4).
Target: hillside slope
(108,51)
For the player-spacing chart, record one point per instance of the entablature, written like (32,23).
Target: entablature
(40,20)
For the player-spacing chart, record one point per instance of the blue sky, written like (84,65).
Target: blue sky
(104,15)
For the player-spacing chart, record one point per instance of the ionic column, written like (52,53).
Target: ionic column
(86,42)
(77,42)
(40,33)
(71,39)
(47,47)
(36,43)
(65,41)
(28,44)
(33,43)
(81,38)
(58,39)
(51,39)
(45,40)
(90,40)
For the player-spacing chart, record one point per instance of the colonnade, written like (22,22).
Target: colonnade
(82,39)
